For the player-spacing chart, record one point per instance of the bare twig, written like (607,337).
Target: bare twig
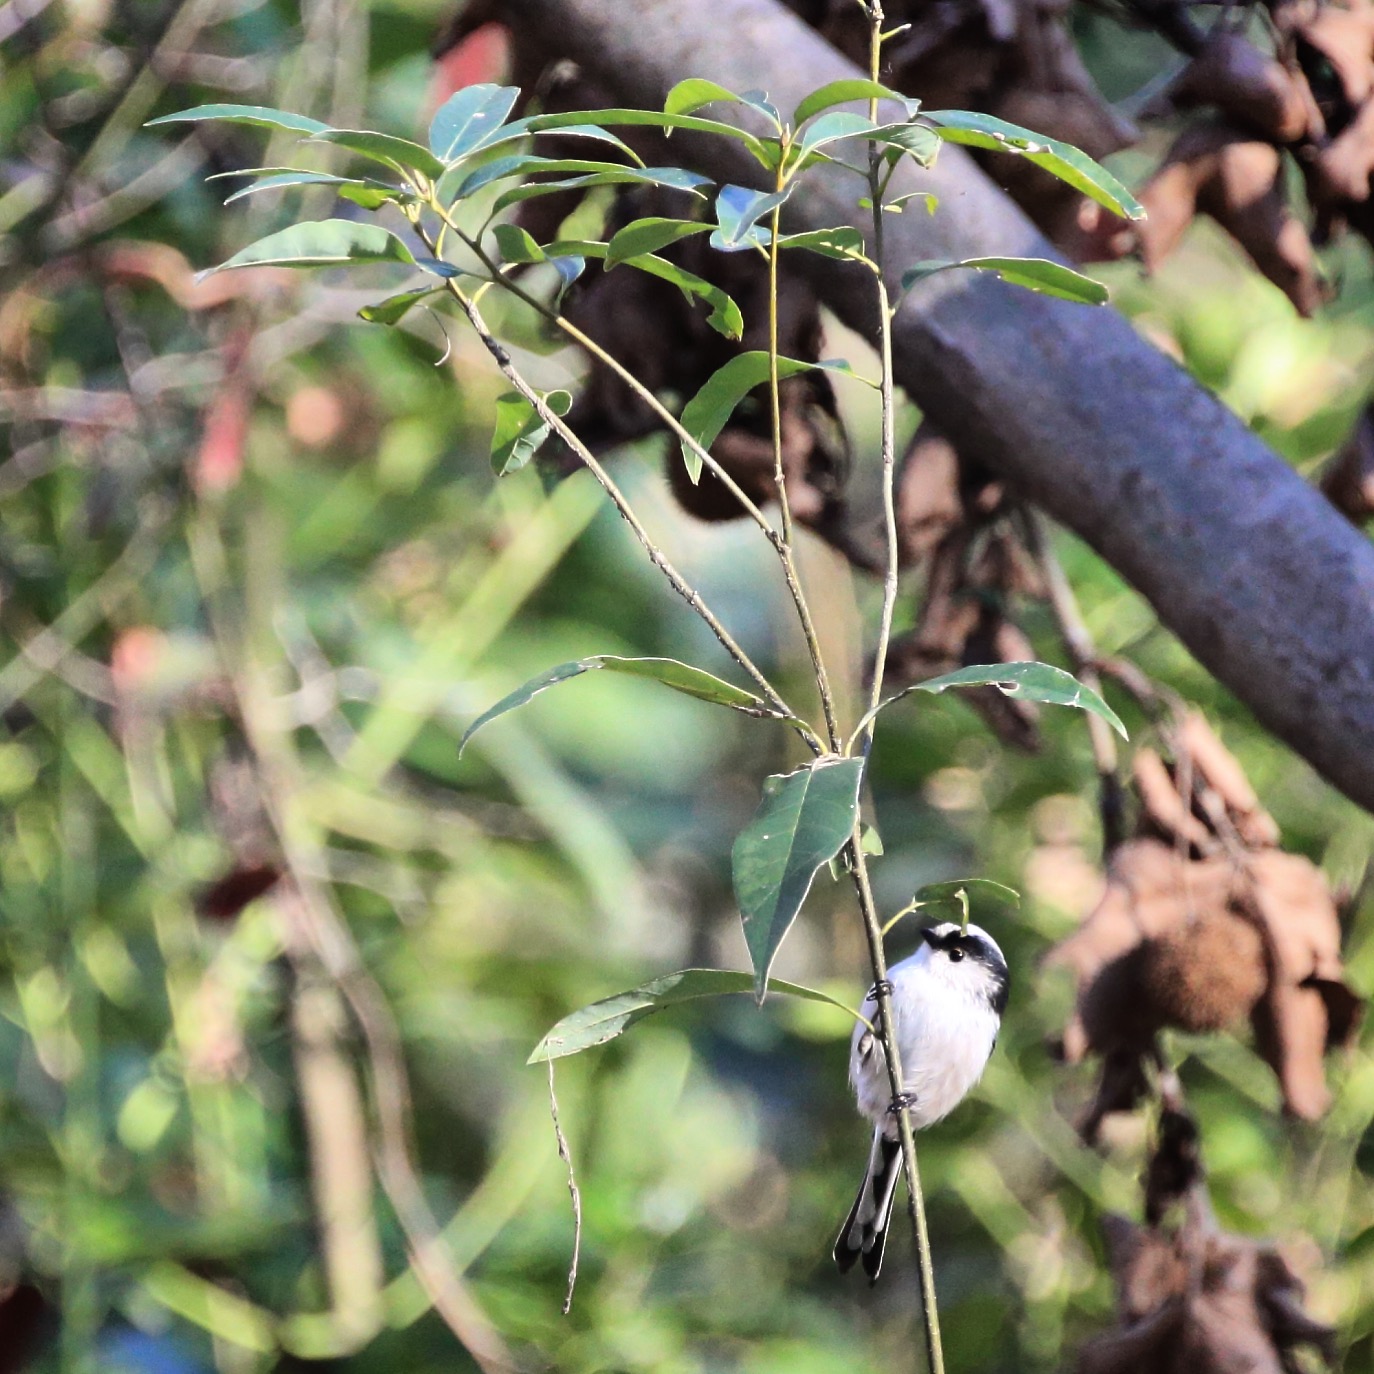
(565,1154)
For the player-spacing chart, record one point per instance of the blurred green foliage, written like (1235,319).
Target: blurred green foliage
(280,580)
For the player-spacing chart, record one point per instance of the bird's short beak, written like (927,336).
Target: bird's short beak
(928,935)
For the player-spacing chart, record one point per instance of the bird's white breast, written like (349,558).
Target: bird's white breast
(945,1030)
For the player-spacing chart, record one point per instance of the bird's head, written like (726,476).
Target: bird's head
(969,960)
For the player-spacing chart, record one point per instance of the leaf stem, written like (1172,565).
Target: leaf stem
(873,929)
(656,555)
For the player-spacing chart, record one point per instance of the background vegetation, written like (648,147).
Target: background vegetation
(256,576)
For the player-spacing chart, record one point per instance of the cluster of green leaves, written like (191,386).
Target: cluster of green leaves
(809,815)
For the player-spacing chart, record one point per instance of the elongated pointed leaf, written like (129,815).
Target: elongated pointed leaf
(1035,274)
(260,116)
(524,128)
(706,414)
(762,151)
(844,92)
(831,128)
(844,242)
(681,677)
(387,149)
(612,1016)
(468,117)
(696,91)
(395,308)
(322,243)
(738,209)
(521,431)
(369,194)
(1031,681)
(648,236)
(949,891)
(458,182)
(517,244)
(801,824)
(724,316)
(674,178)
(1062,160)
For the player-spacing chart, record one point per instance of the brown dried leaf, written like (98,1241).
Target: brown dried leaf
(1249,86)
(1213,764)
(1348,480)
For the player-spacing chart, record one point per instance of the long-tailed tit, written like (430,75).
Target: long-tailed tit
(947,1002)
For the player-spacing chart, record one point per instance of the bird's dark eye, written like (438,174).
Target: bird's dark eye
(955,955)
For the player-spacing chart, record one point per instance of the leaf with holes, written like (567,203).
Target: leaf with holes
(1034,274)
(468,118)
(681,677)
(322,243)
(707,413)
(1030,681)
(369,194)
(801,824)
(521,430)
(612,1016)
(844,243)
(1062,160)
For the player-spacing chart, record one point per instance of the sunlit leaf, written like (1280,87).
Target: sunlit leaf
(847,90)
(655,119)
(612,1016)
(369,194)
(830,129)
(1029,681)
(738,210)
(804,820)
(468,117)
(322,243)
(844,242)
(459,183)
(569,268)
(395,308)
(519,435)
(681,677)
(400,153)
(1062,160)
(1035,274)
(261,116)
(706,414)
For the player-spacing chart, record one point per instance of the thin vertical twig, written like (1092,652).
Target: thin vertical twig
(565,1154)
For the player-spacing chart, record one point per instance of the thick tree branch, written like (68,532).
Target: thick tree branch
(1248,565)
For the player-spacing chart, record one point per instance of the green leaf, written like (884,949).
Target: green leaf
(922,142)
(695,92)
(597,118)
(523,128)
(1062,160)
(1035,274)
(738,210)
(897,203)
(517,244)
(1030,681)
(830,129)
(395,308)
(369,194)
(322,243)
(514,164)
(261,116)
(706,414)
(469,117)
(648,236)
(520,433)
(681,677)
(802,823)
(844,91)
(843,242)
(395,152)
(933,893)
(612,1016)
(675,178)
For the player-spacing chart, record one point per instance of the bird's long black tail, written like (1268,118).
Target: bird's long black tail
(864,1233)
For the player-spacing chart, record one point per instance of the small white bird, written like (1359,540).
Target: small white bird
(947,1004)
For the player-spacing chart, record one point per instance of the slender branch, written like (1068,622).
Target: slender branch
(873,929)
(656,555)
(781,541)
